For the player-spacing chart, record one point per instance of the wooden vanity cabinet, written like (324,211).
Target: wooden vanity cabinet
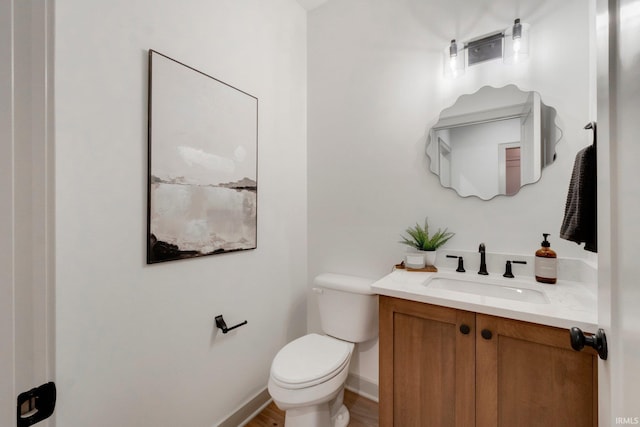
(427,366)
(442,367)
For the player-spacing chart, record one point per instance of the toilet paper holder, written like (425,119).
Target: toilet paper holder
(222,325)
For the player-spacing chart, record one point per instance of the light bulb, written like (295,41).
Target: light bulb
(516,45)
(454,60)
(516,39)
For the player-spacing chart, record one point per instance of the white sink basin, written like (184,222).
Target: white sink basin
(490,288)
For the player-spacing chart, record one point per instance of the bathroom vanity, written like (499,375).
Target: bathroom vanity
(455,355)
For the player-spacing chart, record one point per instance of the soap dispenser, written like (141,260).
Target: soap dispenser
(546,263)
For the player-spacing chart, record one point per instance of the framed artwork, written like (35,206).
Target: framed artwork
(203,150)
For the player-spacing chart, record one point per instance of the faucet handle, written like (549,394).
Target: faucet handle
(507,270)
(460,268)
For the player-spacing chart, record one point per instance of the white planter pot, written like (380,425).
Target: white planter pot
(429,257)
(414,260)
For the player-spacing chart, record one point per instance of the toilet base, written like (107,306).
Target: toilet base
(308,416)
(341,419)
(328,414)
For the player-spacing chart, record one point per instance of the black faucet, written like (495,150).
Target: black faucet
(483,260)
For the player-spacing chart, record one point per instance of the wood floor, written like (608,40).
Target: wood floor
(364,413)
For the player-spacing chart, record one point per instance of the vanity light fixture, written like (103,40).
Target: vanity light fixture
(454,64)
(516,42)
(512,45)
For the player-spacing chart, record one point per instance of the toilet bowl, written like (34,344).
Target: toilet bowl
(307,379)
(308,374)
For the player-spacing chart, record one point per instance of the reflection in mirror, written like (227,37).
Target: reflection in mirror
(493,142)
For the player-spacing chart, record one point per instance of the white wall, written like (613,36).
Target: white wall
(136,344)
(375,89)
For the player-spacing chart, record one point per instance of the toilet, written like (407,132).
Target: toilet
(308,374)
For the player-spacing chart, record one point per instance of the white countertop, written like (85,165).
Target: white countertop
(570,303)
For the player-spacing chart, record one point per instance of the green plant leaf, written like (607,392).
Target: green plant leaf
(419,237)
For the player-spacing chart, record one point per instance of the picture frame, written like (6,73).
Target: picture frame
(202,162)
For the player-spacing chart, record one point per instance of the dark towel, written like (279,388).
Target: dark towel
(580,222)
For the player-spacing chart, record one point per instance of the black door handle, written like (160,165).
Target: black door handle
(598,341)
(465,329)
(486,334)
(36,404)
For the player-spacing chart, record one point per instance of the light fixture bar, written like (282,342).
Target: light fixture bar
(484,49)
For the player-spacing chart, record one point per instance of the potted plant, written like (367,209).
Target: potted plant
(419,238)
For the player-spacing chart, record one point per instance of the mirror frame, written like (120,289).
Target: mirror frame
(550,134)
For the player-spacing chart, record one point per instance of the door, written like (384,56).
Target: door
(618,40)
(528,375)
(512,173)
(6,220)
(427,365)
(26,246)
(510,169)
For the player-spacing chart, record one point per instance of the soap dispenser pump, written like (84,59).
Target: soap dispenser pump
(546,263)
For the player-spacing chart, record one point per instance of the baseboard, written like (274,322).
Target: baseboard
(250,409)
(362,386)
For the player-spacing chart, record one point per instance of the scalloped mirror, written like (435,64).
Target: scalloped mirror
(493,142)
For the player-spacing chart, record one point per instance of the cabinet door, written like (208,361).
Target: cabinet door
(528,375)
(427,370)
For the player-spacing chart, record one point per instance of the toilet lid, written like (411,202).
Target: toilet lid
(310,360)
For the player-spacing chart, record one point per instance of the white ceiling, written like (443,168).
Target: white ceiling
(311,4)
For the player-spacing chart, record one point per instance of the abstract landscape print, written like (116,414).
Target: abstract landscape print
(202,196)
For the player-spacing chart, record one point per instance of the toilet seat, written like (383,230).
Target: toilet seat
(310,360)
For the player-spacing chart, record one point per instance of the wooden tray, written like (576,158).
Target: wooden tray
(428,268)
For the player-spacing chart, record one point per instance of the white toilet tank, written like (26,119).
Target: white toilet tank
(348,307)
